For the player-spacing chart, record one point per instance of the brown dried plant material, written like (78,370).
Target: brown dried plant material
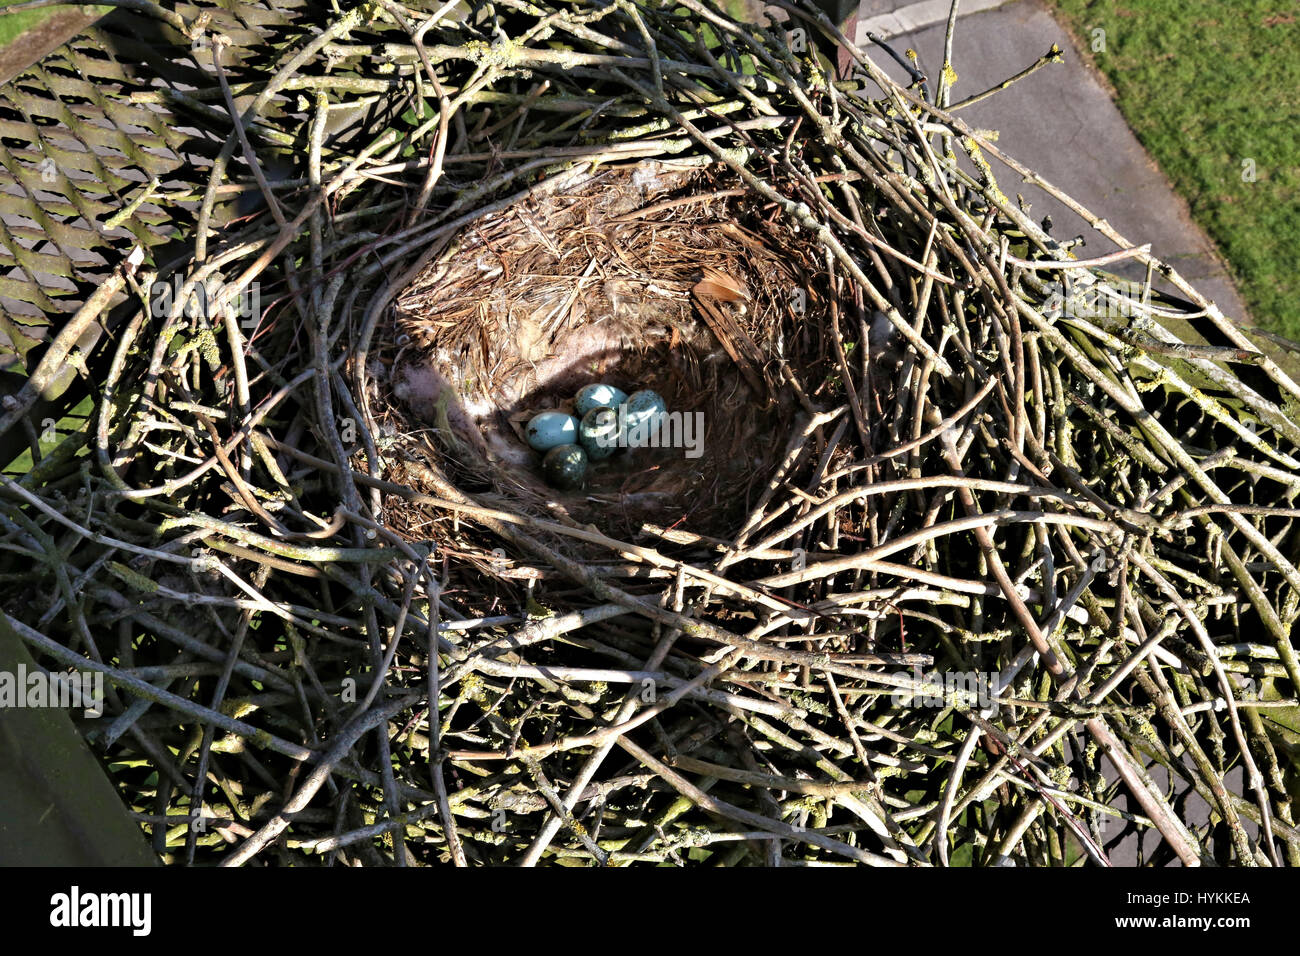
(719,298)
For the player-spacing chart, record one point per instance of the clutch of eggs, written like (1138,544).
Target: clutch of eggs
(606,419)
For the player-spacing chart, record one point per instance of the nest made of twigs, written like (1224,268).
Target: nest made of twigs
(346,621)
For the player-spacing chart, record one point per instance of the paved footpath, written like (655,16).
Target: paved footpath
(1060,122)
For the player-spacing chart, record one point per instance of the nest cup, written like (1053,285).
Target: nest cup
(647,276)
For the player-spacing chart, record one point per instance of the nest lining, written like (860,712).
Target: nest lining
(654,276)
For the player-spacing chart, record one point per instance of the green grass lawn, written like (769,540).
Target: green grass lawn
(1208,85)
(12,24)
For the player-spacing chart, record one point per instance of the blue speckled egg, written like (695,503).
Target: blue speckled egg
(642,412)
(565,467)
(549,429)
(590,397)
(598,433)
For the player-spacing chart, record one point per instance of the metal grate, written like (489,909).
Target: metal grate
(104,145)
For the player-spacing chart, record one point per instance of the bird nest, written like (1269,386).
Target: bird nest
(652,275)
(986,546)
